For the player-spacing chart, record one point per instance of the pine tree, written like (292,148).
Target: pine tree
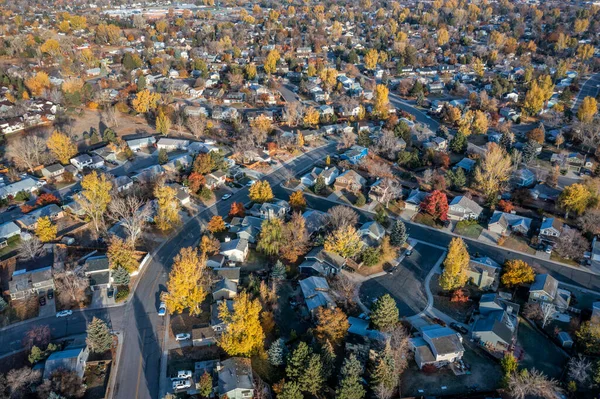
(319,185)
(529,152)
(98,338)
(458,144)
(290,390)
(328,357)
(455,266)
(311,380)
(385,314)
(297,361)
(398,235)
(163,157)
(350,386)
(384,374)
(3,304)
(276,352)
(278,273)
(120,276)
(507,140)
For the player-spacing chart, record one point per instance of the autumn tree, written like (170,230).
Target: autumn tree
(536,135)
(163,123)
(331,325)
(216,224)
(270,64)
(311,117)
(436,204)
(385,314)
(517,272)
(381,101)
(575,198)
(295,238)
(328,77)
(370,59)
(237,210)
(186,284)
(587,110)
(297,201)
(61,146)
(344,241)
(145,101)
(95,197)
(38,83)
(494,171)
(456,265)
(442,36)
(243,335)
(261,192)
(534,99)
(270,239)
(99,339)
(168,207)
(121,254)
(45,230)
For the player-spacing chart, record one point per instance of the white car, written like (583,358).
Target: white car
(183,374)
(162,309)
(64,313)
(181,384)
(250,183)
(182,337)
(226,196)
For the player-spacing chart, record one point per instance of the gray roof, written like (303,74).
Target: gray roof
(316,292)
(443,339)
(492,323)
(23,185)
(416,197)
(239,244)
(467,203)
(545,283)
(32,217)
(9,229)
(484,263)
(96,264)
(225,284)
(510,220)
(235,373)
(231,273)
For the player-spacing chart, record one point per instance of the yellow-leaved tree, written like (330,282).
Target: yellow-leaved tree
(297,201)
(186,282)
(332,325)
(442,36)
(575,198)
(381,101)
(345,242)
(45,230)
(163,123)
(455,266)
(61,146)
(243,335)
(38,83)
(121,254)
(168,208)
(50,47)
(95,197)
(311,117)
(261,192)
(328,77)
(534,99)
(587,110)
(494,171)
(216,224)
(270,64)
(371,59)
(145,101)
(516,272)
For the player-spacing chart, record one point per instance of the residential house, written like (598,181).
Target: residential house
(550,229)
(82,161)
(234,250)
(355,154)
(524,178)
(71,359)
(180,163)
(311,177)
(122,183)
(438,346)
(215,261)
(505,223)
(248,229)
(149,174)
(414,199)
(371,233)
(545,192)
(27,185)
(216,323)
(465,164)
(8,230)
(350,181)
(316,293)
(216,179)
(181,193)
(203,336)
(107,153)
(140,143)
(25,283)
(384,190)
(484,273)
(496,326)
(544,289)
(230,273)
(572,162)
(97,269)
(169,144)
(224,289)
(235,379)
(436,144)
(53,171)
(464,208)
(29,220)
(314,220)
(278,209)
(321,262)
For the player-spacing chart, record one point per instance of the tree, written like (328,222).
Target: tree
(494,171)
(168,207)
(532,383)
(61,146)
(436,204)
(209,245)
(243,335)
(62,384)
(70,286)
(206,385)
(290,390)
(509,366)
(216,224)
(383,376)
(163,123)
(237,210)
(99,338)
(120,276)
(574,198)
(270,64)
(534,99)
(506,206)
(350,385)
(517,272)
(27,152)
(270,239)
(319,185)
(580,370)
(385,314)
(261,192)
(371,58)
(588,337)
(186,283)
(297,361)
(163,156)
(344,241)
(132,213)
(341,216)
(95,197)
(30,249)
(297,201)
(455,266)
(543,312)
(459,143)
(442,36)
(38,83)
(121,254)
(590,222)
(295,239)
(571,244)
(456,178)
(381,101)
(45,230)
(311,117)
(332,325)
(587,110)
(536,135)
(36,336)
(276,352)
(145,101)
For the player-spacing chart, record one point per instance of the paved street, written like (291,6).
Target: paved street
(419,115)
(589,88)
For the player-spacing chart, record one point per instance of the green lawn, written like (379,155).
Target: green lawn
(13,245)
(426,219)
(518,244)
(468,230)
(557,258)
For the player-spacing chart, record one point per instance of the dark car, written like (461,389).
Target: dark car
(408,253)
(11,208)
(42,301)
(459,328)
(110,293)
(50,294)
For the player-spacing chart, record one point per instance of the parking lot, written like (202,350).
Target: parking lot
(405,284)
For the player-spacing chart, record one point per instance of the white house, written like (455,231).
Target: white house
(439,346)
(170,144)
(82,161)
(234,250)
(463,208)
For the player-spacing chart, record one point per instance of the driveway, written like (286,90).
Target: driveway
(49,309)
(405,285)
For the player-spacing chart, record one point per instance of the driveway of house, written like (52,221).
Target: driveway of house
(49,309)
(405,284)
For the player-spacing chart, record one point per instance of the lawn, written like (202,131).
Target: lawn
(557,258)
(539,351)
(458,311)
(13,245)
(426,219)
(518,243)
(471,230)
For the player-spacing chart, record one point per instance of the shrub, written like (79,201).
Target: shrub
(122,293)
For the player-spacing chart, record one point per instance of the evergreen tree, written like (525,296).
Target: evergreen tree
(141,83)
(385,314)
(457,178)
(458,144)
(328,357)
(163,157)
(319,185)
(398,235)
(297,361)
(529,152)
(363,138)
(381,216)
(290,390)
(507,140)
(120,276)
(276,352)
(350,386)
(384,373)
(312,379)
(3,304)
(110,136)
(98,338)
(278,273)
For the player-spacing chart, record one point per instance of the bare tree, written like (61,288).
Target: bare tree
(377,169)
(30,249)
(38,336)
(197,126)
(110,116)
(18,379)
(139,22)
(387,145)
(571,243)
(293,112)
(132,213)
(590,221)
(27,151)
(179,122)
(580,369)
(341,216)
(347,140)
(70,286)
(533,383)
(382,391)
(345,287)
(543,312)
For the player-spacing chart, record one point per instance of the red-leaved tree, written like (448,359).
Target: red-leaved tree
(436,204)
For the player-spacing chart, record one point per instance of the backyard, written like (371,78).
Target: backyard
(539,351)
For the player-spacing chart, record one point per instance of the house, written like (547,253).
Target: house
(544,289)
(384,190)
(122,183)
(107,153)
(350,181)
(216,179)
(311,177)
(234,250)
(235,379)
(231,273)
(248,228)
(179,163)
(435,87)
(463,208)
(545,192)
(316,293)
(53,171)
(25,283)
(181,193)
(524,178)
(215,261)
(414,199)
(169,144)
(496,326)
(71,359)
(321,262)
(573,162)
(314,220)
(550,229)
(329,174)
(141,143)
(355,154)
(203,336)
(149,174)
(465,164)
(27,185)
(438,346)
(216,323)
(371,233)
(436,144)
(82,161)
(224,289)
(97,269)
(484,273)
(29,221)
(277,209)
(503,223)
(8,230)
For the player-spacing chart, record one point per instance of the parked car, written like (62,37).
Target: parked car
(50,294)
(226,196)
(250,183)
(459,328)
(183,374)
(162,309)
(42,300)
(110,293)
(182,337)
(64,313)
(408,253)
(181,384)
